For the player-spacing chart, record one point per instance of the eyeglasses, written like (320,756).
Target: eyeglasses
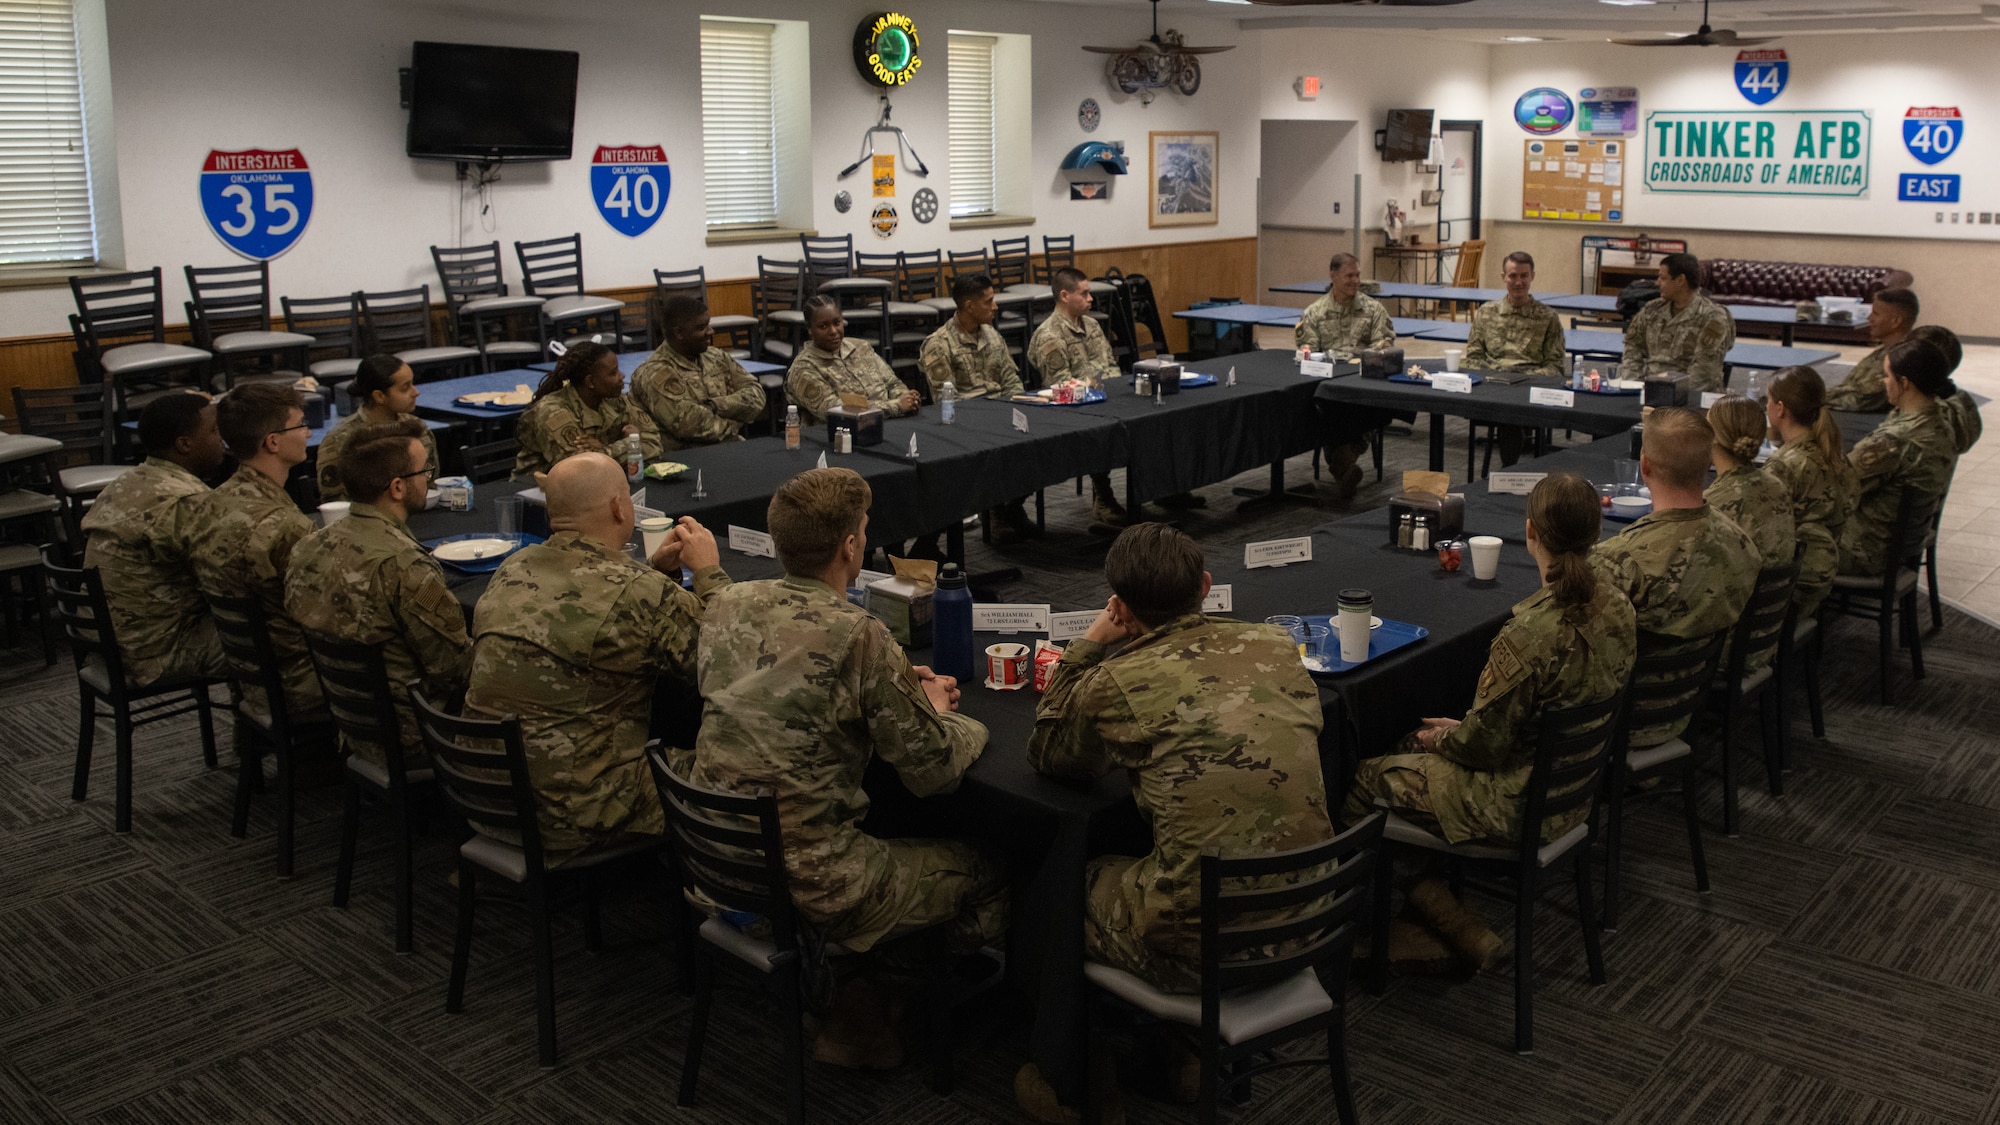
(289,429)
(427,471)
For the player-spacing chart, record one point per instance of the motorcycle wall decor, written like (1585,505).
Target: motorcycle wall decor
(1162,60)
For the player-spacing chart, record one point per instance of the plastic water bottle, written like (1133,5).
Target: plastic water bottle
(948,409)
(791,427)
(635,458)
(951,626)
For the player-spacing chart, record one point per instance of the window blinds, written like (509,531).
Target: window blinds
(45,216)
(738,151)
(974,163)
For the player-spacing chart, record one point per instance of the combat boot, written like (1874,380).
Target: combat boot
(858,1033)
(1414,951)
(1462,929)
(1037,1098)
(1105,509)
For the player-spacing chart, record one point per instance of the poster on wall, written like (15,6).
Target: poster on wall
(1544,110)
(1183,179)
(257,201)
(629,183)
(1575,181)
(883,169)
(1815,152)
(1607,111)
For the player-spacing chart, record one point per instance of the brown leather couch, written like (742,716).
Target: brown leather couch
(1746,281)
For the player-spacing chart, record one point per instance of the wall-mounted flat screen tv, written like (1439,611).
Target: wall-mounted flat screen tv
(490,105)
(1408,135)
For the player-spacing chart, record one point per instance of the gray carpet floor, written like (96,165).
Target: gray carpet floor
(1845,968)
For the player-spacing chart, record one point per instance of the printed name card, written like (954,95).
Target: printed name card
(1020,420)
(1710,398)
(1069,626)
(1003,617)
(639,509)
(1551,396)
(751,542)
(1458,384)
(868,576)
(1277,552)
(1220,599)
(1321,369)
(1520,484)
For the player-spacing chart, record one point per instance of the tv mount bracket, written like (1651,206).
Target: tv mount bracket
(903,145)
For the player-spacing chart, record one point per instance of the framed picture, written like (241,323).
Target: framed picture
(1183,175)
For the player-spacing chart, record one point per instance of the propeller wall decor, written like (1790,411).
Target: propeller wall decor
(1706,37)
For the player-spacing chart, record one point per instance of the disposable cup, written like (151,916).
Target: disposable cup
(653,531)
(332,512)
(1451,358)
(1485,556)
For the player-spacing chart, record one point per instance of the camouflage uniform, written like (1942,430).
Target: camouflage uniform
(1761,505)
(801,690)
(1688,572)
(1905,450)
(1505,338)
(1693,340)
(1061,350)
(335,443)
(571,636)
(697,401)
(559,424)
(1326,327)
(252,525)
(1961,414)
(1861,391)
(818,378)
(139,535)
(365,580)
(1822,495)
(975,367)
(1473,787)
(1218,726)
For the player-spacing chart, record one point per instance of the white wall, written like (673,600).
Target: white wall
(231,74)
(1308,168)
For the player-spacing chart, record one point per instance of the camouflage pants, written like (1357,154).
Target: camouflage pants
(928,883)
(1111,931)
(1397,782)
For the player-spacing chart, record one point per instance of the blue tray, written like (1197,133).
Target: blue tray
(1626,391)
(495,407)
(1412,379)
(1390,637)
(1198,380)
(1612,515)
(1088,399)
(488,566)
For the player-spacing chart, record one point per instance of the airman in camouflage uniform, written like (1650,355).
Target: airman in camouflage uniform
(365,580)
(1961,416)
(1342,330)
(698,401)
(559,424)
(801,690)
(139,535)
(1063,349)
(1909,449)
(1506,338)
(976,365)
(1218,725)
(1693,341)
(1821,496)
(1471,786)
(1761,505)
(335,443)
(818,378)
(252,527)
(1861,391)
(571,636)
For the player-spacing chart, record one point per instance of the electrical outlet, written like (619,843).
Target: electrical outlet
(1336,206)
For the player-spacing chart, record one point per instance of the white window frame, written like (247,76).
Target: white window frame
(768,115)
(55,106)
(972,98)
(995,139)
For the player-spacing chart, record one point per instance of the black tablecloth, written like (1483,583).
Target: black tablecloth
(981,460)
(1490,401)
(740,476)
(1206,434)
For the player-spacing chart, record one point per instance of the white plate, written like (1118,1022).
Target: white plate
(1374,623)
(473,550)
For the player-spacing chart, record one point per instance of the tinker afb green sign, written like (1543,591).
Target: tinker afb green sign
(1821,152)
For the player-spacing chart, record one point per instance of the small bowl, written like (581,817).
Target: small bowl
(1630,507)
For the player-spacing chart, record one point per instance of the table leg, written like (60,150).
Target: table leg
(1276,492)
(1437,443)
(1059,1040)
(1785,337)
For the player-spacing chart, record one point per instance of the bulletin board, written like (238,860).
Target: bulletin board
(1580,181)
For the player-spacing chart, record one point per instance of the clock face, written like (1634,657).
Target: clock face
(885,49)
(1088,115)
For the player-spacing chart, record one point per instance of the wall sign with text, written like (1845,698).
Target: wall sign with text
(1761,75)
(885,49)
(1820,152)
(1932,132)
(629,184)
(257,201)
(1544,110)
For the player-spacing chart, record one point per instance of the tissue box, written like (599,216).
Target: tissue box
(1666,390)
(865,425)
(1166,376)
(1380,363)
(904,606)
(454,493)
(1445,513)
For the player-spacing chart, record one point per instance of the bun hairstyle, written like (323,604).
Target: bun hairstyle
(1566,515)
(1803,394)
(573,365)
(1739,426)
(1922,365)
(1946,341)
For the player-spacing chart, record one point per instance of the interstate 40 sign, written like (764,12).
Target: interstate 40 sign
(257,201)
(629,184)
(1822,152)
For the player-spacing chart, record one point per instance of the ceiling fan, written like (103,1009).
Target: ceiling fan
(1706,37)
(1359,3)
(1156,62)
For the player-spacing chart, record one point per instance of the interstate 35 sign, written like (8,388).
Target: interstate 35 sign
(257,201)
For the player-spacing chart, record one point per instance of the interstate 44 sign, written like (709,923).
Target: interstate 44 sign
(257,201)
(629,184)
(1761,75)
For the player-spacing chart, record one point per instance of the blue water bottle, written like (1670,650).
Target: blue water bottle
(951,626)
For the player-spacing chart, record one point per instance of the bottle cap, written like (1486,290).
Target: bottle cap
(951,578)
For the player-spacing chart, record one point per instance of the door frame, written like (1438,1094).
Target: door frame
(1478,130)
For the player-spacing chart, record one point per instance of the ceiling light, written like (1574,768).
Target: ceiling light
(1522,39)
(1629,3)
(1246,1)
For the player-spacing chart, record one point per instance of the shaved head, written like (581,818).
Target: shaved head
(580,486)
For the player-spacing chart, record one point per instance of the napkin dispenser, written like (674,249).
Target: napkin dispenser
(1380,363)
(1672,389)
(865,425)
(1446,514)
(1165,375)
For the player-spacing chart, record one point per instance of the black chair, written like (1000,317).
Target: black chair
(743,332)
(334,323)
(489,462)
(32,513)
(1058,251)
(246,644)
(1930,563)
(78,597)
(229,314)
(360,699)
(400,322)
(1571,750)
(481,309)
(121,336)
(1803,649)
(1757,639)
(909,323)
(483,770)
(1012,262)
(1670,678)
(74,416)
(1252,999)
(778,300)
(1890,598)
(552,269)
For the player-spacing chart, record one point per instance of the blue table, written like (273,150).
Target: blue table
(315,435)
(1588,342)
(1783,316)
(628,362)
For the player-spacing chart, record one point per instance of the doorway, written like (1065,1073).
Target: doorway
(1458,186)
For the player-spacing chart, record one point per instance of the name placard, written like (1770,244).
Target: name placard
(1220,599)
(1020,420)
(868,576)
(751,542)
(1277,552)
(1320,369)
(1010,617)
(1710,398)
(1551,396)
(1455,383)
(1069,626)
(639,509)
(1520,484)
